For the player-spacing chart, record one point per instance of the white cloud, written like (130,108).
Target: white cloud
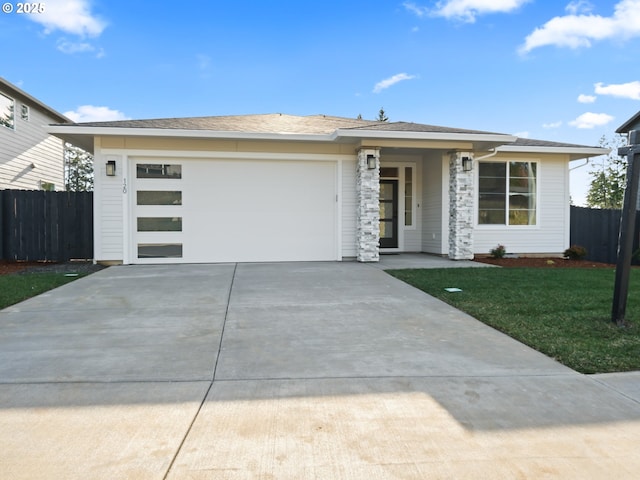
(586,98)
(70,16)
(579,30)
(579,6)
(468,10)
(591,120)
(415,9)
(521,134)
(69,47)
(624,90)
(91,113)
(552,125)
(386,83)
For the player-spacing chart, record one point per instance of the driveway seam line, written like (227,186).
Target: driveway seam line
(614,390)
(204,398)
(224,323)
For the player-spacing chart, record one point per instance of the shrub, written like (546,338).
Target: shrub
(575,252)
(498,252)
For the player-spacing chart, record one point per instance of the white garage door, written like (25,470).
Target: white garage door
(234,211)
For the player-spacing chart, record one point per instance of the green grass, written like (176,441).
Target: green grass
(16,288)
(563,313)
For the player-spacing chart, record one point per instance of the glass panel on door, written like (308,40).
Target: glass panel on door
(388,213)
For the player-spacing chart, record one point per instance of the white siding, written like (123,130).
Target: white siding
(28,144)
(433,205)
(550,235)
(108,209)
(349,206)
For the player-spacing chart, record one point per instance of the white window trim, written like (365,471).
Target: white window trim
(25,112)
(14,111)
(506,226)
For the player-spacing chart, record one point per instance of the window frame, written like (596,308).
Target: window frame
(13,117)
(507,225)
(25,112)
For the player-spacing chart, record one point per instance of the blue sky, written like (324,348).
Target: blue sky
(560,71)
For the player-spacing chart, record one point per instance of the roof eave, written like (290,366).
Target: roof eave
(18,92)
(496,138)
(574,153)
(79,131)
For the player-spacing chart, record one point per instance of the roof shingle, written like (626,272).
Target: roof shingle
(277,123)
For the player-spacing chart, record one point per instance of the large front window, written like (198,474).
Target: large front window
(507,193)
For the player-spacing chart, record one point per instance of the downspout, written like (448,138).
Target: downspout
(489,155)
(586,162)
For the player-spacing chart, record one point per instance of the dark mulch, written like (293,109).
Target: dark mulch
(543,262)
(21,268)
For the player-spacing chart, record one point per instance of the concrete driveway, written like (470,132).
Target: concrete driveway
(290,371)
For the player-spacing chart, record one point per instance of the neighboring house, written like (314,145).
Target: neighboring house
(30,158)
(259,188)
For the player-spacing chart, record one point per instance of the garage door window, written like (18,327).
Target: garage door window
(158,170)
(159,250)
(159,224)
(146,197)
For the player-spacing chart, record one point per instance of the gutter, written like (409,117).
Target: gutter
(165,132)
(585,151)
(442,136)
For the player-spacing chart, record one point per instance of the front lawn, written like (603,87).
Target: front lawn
(16,288)
(564,313)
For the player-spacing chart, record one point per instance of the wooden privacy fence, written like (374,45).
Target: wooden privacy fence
(46,226)
(597,230)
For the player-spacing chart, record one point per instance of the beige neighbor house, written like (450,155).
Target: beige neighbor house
(30,158)
(258,188)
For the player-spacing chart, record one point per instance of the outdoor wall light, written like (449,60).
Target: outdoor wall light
(467,164)
(111,168)
(371,162)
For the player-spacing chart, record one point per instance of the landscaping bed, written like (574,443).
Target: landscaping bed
(85,267)
(546,262)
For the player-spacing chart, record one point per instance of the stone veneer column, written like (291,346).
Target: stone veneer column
(368,213)
(460,208)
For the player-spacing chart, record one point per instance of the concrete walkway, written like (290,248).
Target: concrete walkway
(290,371)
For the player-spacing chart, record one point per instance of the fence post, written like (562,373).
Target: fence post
(627,223)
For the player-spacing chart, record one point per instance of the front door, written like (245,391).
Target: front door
(388,213)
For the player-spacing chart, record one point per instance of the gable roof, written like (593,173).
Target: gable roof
(278,126)
(632,124)
(13,91)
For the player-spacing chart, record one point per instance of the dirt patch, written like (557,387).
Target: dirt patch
(543,262)
(10,268)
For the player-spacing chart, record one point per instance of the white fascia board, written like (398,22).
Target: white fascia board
(441,136)
(169,132)
(574,152)
(78,130)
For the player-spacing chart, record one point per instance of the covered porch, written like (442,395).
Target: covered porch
(415,200)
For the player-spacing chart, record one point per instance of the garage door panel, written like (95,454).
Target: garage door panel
(254,210)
